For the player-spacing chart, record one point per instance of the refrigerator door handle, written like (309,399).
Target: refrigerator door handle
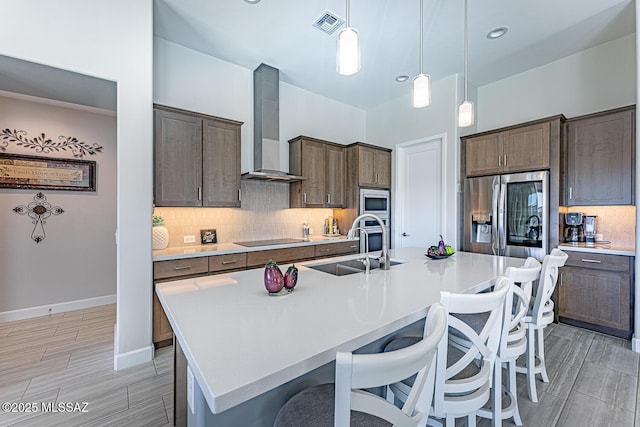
(495,236)
(502,220)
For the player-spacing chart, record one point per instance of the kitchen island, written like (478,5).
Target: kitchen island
(249,352)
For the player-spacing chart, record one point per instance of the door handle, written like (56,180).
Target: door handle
(405,235)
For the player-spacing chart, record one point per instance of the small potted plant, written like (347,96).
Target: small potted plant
(160,233)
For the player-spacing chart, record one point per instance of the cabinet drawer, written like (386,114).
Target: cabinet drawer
(349,247)
(260,258)
(598,261)
(180,267)
(227,262)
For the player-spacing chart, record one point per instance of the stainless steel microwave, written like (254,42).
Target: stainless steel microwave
(375,202)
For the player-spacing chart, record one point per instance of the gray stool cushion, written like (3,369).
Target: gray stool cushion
(314,407)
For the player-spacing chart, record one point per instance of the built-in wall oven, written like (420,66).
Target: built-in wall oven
(375,202)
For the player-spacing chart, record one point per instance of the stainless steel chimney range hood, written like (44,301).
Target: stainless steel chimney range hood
(266,128)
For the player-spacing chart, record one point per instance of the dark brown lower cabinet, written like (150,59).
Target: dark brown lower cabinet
(595,291)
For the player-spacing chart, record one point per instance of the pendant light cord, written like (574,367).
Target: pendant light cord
(347,13)
(421,35)
(466,49)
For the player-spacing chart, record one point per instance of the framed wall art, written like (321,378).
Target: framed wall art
(18,171)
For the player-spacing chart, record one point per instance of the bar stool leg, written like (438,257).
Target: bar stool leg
(496,394)
(531,364)
(540,351)
(513,389)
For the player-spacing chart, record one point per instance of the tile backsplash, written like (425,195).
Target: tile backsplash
(617,224)
(264,215)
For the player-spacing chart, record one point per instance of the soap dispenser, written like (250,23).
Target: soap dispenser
(305,232)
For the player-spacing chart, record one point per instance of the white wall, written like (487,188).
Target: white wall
(396,122)
(593,80)
(111,40)
(188,79)
(79,244)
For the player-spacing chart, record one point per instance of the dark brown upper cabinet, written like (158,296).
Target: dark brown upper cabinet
(197,159)
(599,159)
(516,149)
(372,165)
(324,165)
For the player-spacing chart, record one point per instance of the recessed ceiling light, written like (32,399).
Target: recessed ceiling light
(402,78)
(252,1)
(497,33)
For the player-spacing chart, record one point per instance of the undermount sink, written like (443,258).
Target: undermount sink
(343,268)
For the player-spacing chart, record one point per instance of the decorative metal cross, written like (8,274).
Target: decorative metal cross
(38,210)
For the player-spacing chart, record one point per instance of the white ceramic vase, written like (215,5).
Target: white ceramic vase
(160,237)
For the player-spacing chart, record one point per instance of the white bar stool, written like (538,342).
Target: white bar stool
(514,341)
(539,316)
(349,405)
(464,375)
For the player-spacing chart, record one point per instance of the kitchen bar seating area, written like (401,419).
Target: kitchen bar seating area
(292,361)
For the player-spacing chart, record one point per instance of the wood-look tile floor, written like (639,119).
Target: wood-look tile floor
(68,357)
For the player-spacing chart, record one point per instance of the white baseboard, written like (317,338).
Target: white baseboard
(133,358)
(44,310)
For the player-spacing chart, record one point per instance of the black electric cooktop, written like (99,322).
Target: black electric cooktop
(254,243)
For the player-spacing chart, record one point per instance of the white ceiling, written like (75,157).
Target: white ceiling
(280,33)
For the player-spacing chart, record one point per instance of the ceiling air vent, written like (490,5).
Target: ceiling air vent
(328,22)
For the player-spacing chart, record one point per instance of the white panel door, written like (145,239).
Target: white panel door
(420,200)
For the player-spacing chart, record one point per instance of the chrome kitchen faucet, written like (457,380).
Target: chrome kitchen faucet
(384,255)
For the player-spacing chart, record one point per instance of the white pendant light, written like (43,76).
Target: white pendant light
(421,92)
(465,110)
(348,52)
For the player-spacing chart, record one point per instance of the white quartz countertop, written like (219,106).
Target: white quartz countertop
(240,342)
(179,252)
(600,248)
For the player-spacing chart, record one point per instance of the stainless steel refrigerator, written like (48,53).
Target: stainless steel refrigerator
(507,214)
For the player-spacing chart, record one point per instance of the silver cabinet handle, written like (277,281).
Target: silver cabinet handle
(304,198)
(500,160)
(329,198)
(324,250)
(505,160)
(353,247)
(593,261)
(405,235)
(229,262)
(199,193)
(239,194)
(184,267)
(377,178)
(570,193)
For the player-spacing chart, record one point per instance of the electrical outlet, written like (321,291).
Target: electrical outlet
(189,239)
(190,390)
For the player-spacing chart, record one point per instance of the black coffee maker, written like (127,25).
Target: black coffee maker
(573,227)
